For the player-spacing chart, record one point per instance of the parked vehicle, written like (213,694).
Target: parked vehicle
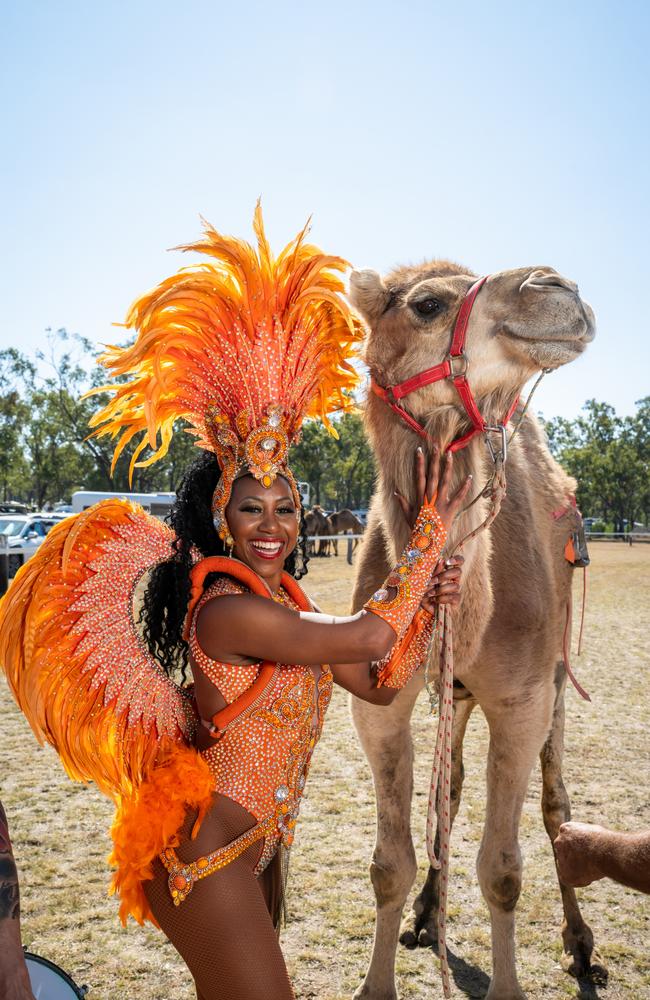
(13,507)
(23,534)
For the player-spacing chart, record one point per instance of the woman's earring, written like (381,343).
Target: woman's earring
(230,542)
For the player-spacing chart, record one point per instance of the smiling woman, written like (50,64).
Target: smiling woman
(264,526)
(209,779)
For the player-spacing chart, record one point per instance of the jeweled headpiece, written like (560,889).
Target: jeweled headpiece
(243,348)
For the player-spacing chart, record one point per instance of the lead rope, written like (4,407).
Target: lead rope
(439,806)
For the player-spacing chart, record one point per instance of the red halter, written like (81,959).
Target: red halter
(454,367)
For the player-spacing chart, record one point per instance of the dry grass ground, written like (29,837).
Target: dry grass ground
(60,833)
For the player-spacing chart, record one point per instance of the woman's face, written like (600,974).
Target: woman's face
(263,524)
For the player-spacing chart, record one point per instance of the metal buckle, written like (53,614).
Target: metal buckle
(464,365)
(495,455)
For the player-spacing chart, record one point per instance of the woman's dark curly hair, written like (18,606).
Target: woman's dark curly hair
(168,591)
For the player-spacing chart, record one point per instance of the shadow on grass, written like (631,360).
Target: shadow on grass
(588,990)
(471,980)
(474,983)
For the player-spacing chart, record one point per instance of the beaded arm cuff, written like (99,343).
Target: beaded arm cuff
(398,601)
(408,653)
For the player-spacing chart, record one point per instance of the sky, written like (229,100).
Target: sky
(496,134)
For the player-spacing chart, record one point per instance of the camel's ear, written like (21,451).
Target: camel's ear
(368,294)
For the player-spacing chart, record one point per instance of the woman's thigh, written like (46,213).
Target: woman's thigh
(224,933)
(223,930)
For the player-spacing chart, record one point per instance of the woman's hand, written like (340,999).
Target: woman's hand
(429,483)
(445,585)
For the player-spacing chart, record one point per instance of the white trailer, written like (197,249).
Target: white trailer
(158,504)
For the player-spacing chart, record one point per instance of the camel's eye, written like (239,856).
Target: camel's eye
(427,307)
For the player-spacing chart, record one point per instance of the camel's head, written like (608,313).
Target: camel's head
(522,321)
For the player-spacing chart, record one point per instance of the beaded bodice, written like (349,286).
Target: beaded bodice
(231,679)
(262,757)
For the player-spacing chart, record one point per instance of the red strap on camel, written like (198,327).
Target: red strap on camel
(453,367)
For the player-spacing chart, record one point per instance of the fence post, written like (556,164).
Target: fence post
(350,547)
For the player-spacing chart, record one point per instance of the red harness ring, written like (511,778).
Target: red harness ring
(455,368)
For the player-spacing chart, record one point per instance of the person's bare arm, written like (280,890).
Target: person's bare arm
(245,625)
(586,853)
(14,979)
(357,677)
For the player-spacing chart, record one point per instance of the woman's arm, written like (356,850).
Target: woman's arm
(245,625)
(360,679)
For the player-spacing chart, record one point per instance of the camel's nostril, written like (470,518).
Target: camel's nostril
(548,278)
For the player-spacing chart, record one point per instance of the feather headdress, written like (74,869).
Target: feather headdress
(243,348)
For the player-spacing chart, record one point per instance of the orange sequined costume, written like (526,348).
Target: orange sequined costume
(242,347)
(261,755)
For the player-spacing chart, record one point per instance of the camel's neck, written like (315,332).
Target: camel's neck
(395,447)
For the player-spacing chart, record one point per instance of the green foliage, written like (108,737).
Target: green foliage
(46,454)
(45,451)
(609,456)
(341,472)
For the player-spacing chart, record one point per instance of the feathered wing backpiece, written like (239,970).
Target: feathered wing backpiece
(243,348)
(73,655)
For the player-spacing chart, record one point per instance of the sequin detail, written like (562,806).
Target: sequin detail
(184,875)
(397,668)
(232,680)
(398,600)
(262,758)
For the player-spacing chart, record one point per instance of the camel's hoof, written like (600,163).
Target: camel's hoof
(586,966)
(416,933)
(408,938)
(427,938)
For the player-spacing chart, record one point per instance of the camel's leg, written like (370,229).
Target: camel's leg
(517,734)
(422,927)
(385,735)
(577,937)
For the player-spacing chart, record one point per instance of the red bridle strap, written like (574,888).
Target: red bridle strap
(453,367)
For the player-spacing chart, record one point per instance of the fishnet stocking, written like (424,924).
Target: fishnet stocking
(224,930)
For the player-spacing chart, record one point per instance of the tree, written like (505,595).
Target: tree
(609,457)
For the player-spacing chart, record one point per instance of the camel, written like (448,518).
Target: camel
(508,629)
(318,523)
(344,522)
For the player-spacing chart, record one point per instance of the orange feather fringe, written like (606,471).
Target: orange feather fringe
(150,821)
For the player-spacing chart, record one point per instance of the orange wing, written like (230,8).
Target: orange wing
(73,655)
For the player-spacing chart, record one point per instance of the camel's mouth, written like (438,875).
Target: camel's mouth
(576,343)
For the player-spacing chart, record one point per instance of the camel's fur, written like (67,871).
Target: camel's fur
(516,584)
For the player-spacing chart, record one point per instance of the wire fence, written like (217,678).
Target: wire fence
(631,537)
